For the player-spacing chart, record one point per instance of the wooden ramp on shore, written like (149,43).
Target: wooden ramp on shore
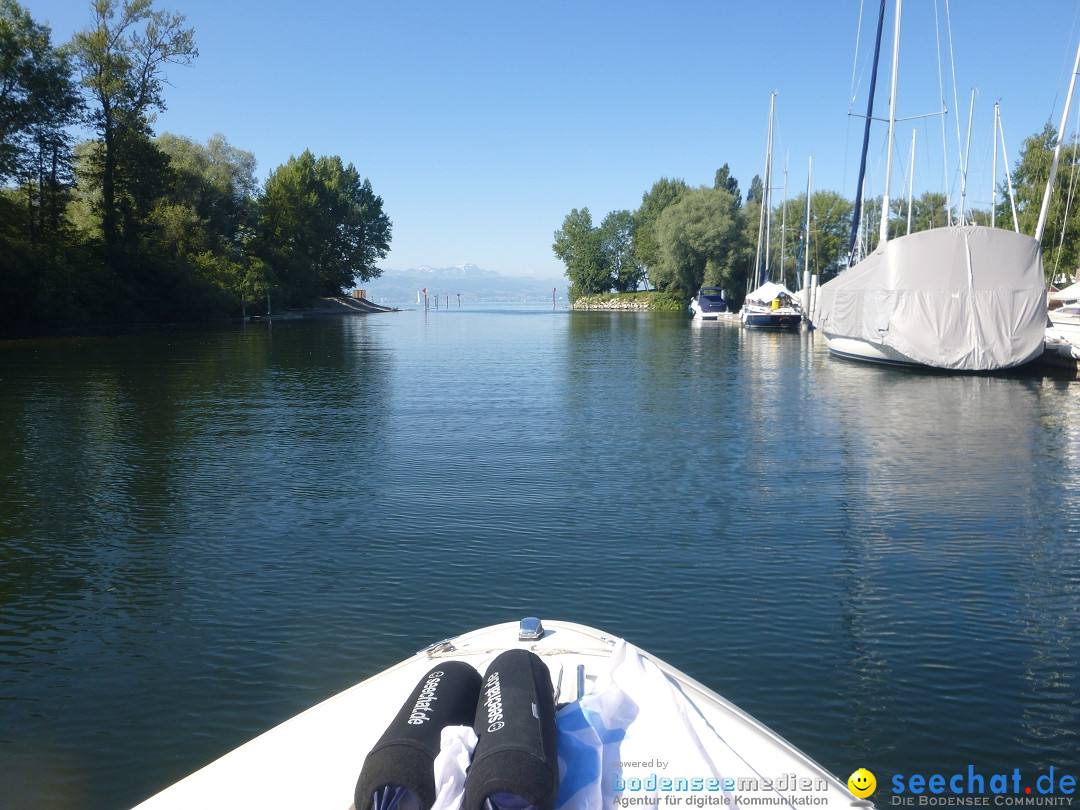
(341,304)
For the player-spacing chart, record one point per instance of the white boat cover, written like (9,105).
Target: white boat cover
(1066,295)
(769,292)
(967,298)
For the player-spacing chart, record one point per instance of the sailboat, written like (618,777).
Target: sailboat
(1063,333)
(770,305)
(963,297)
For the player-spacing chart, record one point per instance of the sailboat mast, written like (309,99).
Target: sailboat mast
(857,209)
(911,179)
(1040,229)
(806,231)
(883,236)
(763,220)
(967,156)
(768,189)
(993,186)
(783,231)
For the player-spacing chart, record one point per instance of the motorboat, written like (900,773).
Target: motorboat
(1064,313)
(771,306)
(1066,322)
(708,304)
(1062,347)
(543,715)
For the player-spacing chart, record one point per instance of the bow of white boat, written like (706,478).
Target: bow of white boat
(702,746)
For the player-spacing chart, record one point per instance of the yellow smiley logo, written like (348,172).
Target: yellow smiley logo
(862,783)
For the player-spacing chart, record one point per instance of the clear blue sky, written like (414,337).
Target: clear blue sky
(482,124)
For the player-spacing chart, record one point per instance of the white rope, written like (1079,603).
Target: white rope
(855,63)
(854,91)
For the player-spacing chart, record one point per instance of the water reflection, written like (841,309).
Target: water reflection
(943,480)
(145,481)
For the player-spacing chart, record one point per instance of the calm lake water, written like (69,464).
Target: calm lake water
(204,531)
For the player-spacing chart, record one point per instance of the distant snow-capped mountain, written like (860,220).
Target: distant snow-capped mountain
(471,282)
(459,271)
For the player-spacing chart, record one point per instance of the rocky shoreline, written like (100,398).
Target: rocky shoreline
(612,304)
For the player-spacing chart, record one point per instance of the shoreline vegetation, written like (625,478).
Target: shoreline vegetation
(105,223)
(684,237)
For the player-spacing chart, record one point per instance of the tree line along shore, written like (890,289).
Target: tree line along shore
(102,221)
(684,237)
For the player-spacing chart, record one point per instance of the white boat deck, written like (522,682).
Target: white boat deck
(314,759)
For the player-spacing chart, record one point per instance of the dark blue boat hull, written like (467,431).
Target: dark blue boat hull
(773,320)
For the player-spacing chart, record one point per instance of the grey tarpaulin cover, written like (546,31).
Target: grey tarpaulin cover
(968,298)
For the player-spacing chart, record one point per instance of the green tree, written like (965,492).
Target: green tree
(869,234)
(1029,180)
(751,226)
(617,245)
(663,193)
(724,180)
(321,227)
(928,210)
(38,102)
(212,187)
(701,241)
(756,192)
(123,56)
(578,245)
(209,214)
(830,226)
(1061,238)
(788,222)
